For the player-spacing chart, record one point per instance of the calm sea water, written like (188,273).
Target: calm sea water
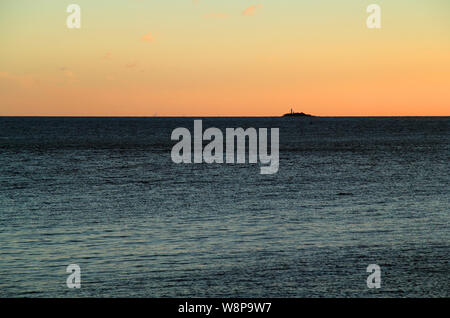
(103,193)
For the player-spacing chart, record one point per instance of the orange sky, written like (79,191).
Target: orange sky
(224,58)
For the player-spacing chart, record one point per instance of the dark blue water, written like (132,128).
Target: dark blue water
(103,193)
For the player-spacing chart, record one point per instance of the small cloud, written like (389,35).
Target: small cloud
(110,78)
(23,80)
(251,10)
(148,38)
(130,65)
(67,73)
(216,15)
(107,56)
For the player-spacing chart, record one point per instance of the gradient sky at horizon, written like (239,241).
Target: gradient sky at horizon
(224,58)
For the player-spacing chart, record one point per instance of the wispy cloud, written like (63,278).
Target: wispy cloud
(251,10)
(216,15)
(23,80)
(107,56)
(67,73)
(149,38)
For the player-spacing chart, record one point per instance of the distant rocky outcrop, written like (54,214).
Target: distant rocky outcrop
(293,114)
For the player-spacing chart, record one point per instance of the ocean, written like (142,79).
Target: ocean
(103,193)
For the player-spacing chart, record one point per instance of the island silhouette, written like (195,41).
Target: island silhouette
(293,114)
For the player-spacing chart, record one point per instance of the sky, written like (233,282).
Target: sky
(224,58)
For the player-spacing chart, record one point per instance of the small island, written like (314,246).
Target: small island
(293,114)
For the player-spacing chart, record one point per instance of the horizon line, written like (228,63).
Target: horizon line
(216,116)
